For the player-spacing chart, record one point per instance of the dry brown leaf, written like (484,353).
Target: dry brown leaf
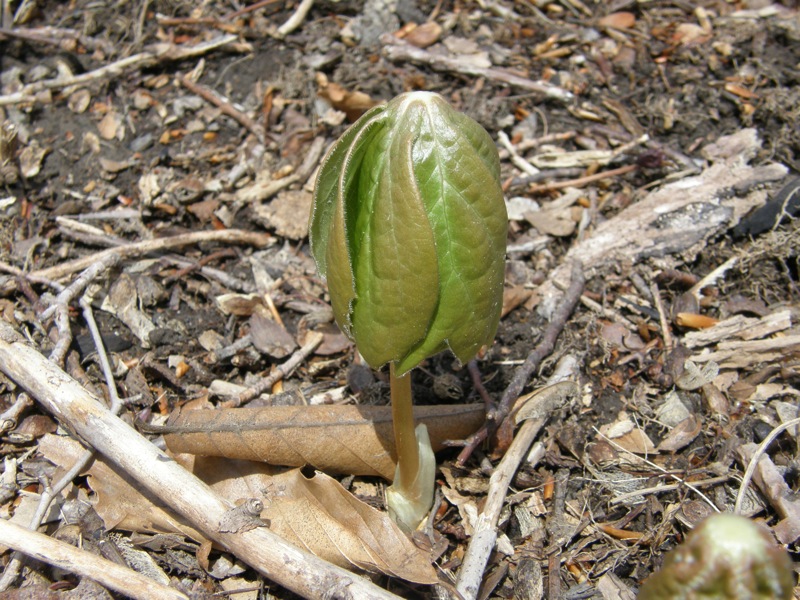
(694,321)
(317,514)
(270,337)
(557,223)
(353,104)
(690,34)
(773,485)
(636,441)
(627,435)
(111,126)
(122,301)
(31,159)
(119,501)
(79,100)
(333,340)
(204,210)
(356,440)
(514,296)
(424,35)
(618,20)
(681,435)
(282,213)
(241,305)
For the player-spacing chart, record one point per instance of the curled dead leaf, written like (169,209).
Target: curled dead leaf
(681,435)
(269,336)
(694,321)
(618,20)
(316,514)
(240,305)
(423,35)
(320,515)
(352,103)
(356,440)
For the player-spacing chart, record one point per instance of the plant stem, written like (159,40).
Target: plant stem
(403,419)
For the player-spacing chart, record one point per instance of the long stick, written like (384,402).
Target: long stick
(484,537)
(81,412)
(63,555)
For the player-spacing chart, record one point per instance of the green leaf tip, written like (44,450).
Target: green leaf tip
(408,225)
(726,557)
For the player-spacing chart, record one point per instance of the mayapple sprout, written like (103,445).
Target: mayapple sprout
(726,557)
(408,226)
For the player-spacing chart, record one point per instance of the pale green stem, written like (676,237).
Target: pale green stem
(403,419)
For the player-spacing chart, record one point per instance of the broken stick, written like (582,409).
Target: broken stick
(81,412)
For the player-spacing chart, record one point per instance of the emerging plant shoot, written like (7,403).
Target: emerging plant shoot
(409,228)
(726,557)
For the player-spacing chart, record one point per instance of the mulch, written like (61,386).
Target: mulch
(157,162)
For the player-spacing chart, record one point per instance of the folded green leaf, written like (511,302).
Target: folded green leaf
(409,227)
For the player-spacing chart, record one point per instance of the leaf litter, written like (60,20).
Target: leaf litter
(187,137)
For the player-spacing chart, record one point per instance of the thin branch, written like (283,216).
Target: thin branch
(483,539)
(399,51)
(666,331)
(224,105)
(542,350)
(66,39)
(751,467)
(297,18)
(105,572)
(10,417)
(80,411)
(281,371)
(160,53)
(12,570)
(581,181)
(230,236)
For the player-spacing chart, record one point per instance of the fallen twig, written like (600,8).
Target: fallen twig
(224,105)
(230,236)
(666,330)
(581,181)
(519,162)
(253,7)
(80,411)
(10,417)
(161,52)
(61,308)
(485,536)
(66,39)
(532,362)
(399,51)
(72,559)
(281,371)
(293,22)
(751,466)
